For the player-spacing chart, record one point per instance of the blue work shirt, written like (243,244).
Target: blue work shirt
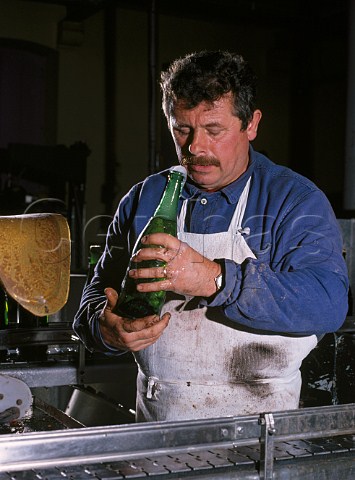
(298,283)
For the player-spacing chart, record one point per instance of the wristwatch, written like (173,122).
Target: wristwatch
(218,281)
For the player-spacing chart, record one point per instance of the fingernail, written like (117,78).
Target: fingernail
(144,239)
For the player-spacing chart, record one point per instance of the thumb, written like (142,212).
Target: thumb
(111,296)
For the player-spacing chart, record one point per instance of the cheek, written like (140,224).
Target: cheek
(238,146)
(178,141)
(181,144)
(178,147)
(225,149)
(175,140)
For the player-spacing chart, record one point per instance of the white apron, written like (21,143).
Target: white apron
(203,366)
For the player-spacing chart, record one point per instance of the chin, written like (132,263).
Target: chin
(206,186)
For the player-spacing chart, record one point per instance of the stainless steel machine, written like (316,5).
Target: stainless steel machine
(316,443)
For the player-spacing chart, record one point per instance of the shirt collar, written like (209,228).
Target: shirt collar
(232,191)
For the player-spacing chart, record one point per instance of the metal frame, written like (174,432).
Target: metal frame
(126,442)
(58,372)
(267,437)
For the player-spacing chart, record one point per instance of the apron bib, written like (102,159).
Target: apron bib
(203,366)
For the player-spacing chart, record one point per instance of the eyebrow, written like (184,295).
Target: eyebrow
(213,124)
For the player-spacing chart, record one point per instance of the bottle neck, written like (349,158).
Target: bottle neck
(168,205)
(95,254)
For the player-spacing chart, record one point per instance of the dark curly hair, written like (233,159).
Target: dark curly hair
(207,76)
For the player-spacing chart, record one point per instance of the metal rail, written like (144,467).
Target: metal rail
(137,441)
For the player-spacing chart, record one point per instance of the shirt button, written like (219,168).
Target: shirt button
(203,201)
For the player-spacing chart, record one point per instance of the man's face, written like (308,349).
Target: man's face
(209,141)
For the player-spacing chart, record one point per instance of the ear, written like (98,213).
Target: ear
(252,128)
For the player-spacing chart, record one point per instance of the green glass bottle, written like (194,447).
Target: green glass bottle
(4,320)
(134,304)
(4,308)
(94,257)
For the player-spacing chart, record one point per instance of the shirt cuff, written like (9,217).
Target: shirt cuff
(232,276)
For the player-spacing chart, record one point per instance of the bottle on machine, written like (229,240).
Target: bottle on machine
(94,256)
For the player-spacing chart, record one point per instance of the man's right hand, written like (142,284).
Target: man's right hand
(128,334)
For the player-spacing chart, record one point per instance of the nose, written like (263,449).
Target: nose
(197,144)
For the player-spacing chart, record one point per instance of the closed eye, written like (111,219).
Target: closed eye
(213,132)
(182,131)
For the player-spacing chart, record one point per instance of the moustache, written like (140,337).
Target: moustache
(202,161)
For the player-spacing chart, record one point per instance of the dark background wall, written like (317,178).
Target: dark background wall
(83,75)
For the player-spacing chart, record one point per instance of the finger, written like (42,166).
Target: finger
(145,324)
(144,343)
(141,344)
(135,347)
(118,337)
(161,239)
(159,253)
(148,335)
(156,272)
(156,285)
(136,341)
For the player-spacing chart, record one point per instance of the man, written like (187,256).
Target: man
(255,276)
